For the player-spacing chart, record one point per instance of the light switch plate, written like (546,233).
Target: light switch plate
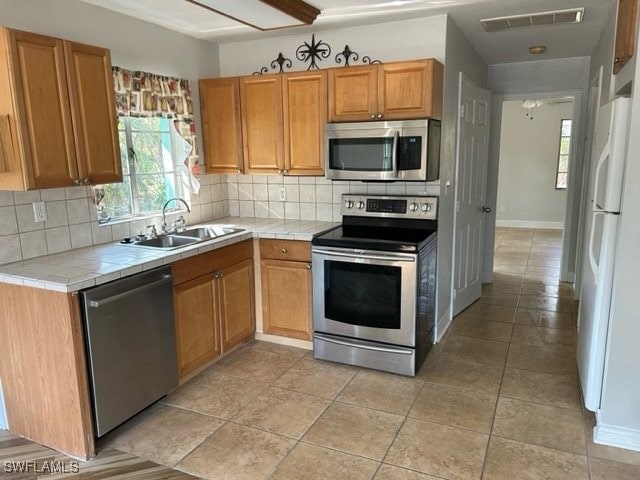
(39,212)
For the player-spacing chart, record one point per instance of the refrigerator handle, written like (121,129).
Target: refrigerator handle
(603,157)
(592,258)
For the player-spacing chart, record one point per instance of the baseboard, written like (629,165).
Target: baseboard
(617,437)
(529,224)
(292,342)
(443,324)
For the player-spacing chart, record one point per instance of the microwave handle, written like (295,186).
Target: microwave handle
(394,154)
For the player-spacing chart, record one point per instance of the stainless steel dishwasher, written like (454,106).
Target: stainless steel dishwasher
(131,345)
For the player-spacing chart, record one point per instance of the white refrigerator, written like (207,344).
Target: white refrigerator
(605,192)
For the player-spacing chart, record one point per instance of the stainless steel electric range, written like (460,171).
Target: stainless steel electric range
(374,283)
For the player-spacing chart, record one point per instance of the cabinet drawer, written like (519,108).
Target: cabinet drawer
(296,250)
(209,262)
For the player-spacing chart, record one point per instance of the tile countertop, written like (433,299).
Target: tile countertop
(86,267)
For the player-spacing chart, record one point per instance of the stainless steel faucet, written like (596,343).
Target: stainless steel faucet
(163,225)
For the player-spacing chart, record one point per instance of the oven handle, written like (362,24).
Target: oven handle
(363,345)
(367,256)
(394,155)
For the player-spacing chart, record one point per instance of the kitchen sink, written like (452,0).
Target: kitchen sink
(187,237)
(167,241)
(209,232)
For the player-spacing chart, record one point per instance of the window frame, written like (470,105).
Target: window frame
(132,172)
(561,155)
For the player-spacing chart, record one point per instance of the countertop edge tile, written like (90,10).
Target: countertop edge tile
(126,260)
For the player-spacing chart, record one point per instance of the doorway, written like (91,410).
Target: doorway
(534,175)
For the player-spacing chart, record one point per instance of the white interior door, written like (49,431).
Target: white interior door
(471,178)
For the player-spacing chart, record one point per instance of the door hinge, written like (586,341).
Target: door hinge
(457,206)
(461,111)
(455,294)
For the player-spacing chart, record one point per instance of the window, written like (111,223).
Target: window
(149,176)
(563,155)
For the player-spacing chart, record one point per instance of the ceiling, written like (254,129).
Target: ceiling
(568,40)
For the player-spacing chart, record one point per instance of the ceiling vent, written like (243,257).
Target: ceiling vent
(555,17)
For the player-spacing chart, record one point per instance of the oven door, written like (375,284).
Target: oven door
(364,294)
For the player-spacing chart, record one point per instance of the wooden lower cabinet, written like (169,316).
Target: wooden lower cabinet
(215,310)
(197,331)
(235,288)
(286,288)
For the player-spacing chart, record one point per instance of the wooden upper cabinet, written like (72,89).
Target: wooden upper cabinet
(59,97)
(625,33)
(221,126)
(353,93)
(388,91)
(410,89)
(92,99)
(262,129)
(41,125)
(305,116)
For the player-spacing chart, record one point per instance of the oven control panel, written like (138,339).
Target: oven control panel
(415,207)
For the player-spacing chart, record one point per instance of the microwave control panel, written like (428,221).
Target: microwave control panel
(415,207)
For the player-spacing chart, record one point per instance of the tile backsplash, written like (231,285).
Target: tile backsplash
(72,219)
(307,198)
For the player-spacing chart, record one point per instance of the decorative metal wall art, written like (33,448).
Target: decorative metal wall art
(315,52)
(280,61)
(346,53)
(310,52)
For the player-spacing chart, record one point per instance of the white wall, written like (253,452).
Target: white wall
(406,40)
(529,148)
(460,57)
(134,44)
(540,77)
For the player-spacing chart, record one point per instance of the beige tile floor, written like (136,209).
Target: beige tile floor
(497,399)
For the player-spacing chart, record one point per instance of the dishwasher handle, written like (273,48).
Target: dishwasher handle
(119,296)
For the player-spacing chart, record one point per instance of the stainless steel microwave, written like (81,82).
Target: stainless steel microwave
(405,150)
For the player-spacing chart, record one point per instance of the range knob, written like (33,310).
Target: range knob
(426,207)
(360,204)
(348,204)
(413,207)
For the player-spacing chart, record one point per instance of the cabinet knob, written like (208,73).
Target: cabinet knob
(239,170)
(617,60)
(221,274)
(86,181)
(379,115)
(308,266)
(373,116)
(76,181)
(284,250)
(286,172)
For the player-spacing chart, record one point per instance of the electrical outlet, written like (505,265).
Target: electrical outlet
(282,194)
(39,212)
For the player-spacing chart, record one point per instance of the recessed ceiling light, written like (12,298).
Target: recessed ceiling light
(537,49)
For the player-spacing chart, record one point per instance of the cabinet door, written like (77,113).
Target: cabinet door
(43,110)
(198,337)
(92,97)
(221,128)
(625,33)
(262,131)
(286,298)
(353,93)
(305,115)
(410,90)
(236,297)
